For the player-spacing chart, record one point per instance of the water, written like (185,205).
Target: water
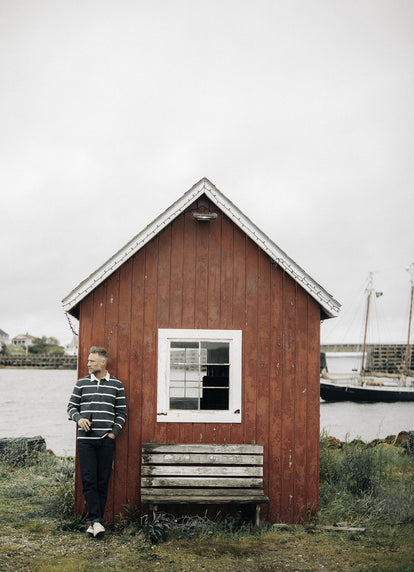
(368,421)
(34,402)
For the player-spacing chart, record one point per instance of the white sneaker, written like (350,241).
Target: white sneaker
(98,529)
(90,530)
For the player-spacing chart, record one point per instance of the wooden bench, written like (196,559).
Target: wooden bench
(202,474)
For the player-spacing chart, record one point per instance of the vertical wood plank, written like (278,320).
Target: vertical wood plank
(263,362)
(313,420)
(111,320)
(214,273)
(189,276)
(227,262)
(112,299)
(121,460)
(263,341)
(111,343)
(239,280)
(164,278)
(120,473)
(239,319)
(276,381)
(135,405)
(198,433)
(288,397)
(125,292)
(201,275)
(178,277)
(98,324)
(300,403)
(250,342)
(149,390)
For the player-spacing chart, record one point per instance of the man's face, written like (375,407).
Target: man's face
(96,364)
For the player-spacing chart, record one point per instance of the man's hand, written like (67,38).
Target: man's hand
(84,424)
(111,435)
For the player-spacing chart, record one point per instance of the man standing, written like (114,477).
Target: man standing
(98,406)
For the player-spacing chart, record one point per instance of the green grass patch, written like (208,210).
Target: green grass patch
(366,485)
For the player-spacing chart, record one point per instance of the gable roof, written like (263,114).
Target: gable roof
(328,304)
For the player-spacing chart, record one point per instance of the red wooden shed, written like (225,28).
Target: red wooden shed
(203,280)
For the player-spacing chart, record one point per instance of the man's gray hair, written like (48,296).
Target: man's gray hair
(100,351)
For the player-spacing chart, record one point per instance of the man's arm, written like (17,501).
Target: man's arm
(74,403)
(74,409)
(120,412)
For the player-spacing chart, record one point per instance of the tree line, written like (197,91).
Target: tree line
(43,345)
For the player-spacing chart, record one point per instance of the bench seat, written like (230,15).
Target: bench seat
(202,474)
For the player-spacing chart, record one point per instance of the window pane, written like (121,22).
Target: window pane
(184,345)
(183,403)
(215,352)
(214,399)
(184,355)
(177,371)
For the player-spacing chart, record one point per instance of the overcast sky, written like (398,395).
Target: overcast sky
(300,112)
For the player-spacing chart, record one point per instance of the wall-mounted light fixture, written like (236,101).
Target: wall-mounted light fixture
(204,216)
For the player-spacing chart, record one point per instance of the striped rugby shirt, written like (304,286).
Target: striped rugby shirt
(104,400)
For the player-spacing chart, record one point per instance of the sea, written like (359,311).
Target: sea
(33,403)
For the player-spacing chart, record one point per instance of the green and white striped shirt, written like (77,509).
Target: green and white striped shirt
(101,401)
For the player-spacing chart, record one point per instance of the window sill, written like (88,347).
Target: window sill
(198,417)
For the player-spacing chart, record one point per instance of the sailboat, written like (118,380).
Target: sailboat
(366,386)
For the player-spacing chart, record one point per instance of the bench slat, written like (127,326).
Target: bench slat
(215,496)
(203,458)
(193,470)
(206,500)
(241,482)
(202,448)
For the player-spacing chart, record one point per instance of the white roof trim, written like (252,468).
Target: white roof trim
(328,303)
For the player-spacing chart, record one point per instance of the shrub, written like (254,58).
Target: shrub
(363,483)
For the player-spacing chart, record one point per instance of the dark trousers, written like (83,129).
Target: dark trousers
(95,463)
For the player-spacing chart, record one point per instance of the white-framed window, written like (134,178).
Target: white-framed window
(199,376)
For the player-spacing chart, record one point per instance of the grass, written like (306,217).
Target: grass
(361,485)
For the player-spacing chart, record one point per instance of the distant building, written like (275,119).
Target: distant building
(4,338)
(71,349)
(23,340)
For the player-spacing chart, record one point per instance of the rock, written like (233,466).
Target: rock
(334,443)
(402,439)
(410,443)
(17,451)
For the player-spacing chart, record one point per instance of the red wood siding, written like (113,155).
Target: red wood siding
(211,275)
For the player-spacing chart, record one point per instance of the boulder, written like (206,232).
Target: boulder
(17,451)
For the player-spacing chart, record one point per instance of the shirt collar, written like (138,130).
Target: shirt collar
(106,377)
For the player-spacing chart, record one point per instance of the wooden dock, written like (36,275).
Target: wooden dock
(39,361)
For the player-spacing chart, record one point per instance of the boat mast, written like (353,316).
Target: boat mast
(369,290)
(410,269)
